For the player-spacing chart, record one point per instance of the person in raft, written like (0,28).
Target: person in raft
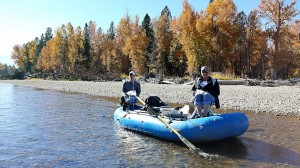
(130,90)
(206,91)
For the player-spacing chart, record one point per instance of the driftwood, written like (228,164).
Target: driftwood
(167,82)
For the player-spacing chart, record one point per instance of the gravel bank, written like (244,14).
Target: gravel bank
(282,100)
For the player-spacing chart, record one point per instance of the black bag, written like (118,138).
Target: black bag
(154,101)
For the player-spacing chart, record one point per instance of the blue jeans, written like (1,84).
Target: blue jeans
(204,99)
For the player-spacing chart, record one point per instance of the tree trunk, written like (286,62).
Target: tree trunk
(248,59)
(263,66)
(275,64)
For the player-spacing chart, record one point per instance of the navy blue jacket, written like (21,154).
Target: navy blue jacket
(212,87)
(129,85)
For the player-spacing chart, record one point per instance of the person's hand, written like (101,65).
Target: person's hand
(200,92)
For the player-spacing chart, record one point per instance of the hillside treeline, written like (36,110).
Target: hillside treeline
(226,40)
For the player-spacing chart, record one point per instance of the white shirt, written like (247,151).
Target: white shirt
(203,83)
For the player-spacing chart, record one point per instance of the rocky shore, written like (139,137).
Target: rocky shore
(279,100)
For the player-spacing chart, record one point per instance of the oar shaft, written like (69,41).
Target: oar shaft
(184,140)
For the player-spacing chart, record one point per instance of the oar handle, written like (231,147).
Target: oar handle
(140,100)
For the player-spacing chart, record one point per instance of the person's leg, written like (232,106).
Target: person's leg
(192,115)
(131,102)
(199,110)
(123,103)
(122,100)
(198,101)
(205,110)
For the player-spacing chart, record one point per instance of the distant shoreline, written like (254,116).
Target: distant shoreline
(281,100)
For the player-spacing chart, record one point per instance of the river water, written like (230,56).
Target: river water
(46,128)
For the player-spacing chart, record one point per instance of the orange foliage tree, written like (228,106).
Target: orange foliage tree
(191,37)
(136,47)
(220,16)
(279,16)
(164,37)
(17,56)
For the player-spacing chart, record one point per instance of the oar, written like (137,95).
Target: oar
(185,141)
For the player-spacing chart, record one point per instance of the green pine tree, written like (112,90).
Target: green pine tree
(147,26)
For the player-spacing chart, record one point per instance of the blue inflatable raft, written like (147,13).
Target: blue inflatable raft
(197,130)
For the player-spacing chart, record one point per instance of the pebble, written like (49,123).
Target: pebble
(239,97)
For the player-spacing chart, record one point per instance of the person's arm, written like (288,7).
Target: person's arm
(217,92)
(124,90)
(193,88)
(196,82)
(216,89)
(138,88)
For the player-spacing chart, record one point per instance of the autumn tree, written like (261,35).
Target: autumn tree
(124,31)
(17,56)
(164,37)
(115,57)
(256,42)
(220,16)
(179,58)
(39,47)
(97,40)
(136,47)
(109,45)
(294,48)
(279,16)
(46,62)
(40,44)
(73,48)
(93,44)
(140,43)
(289,52)
(62,50)
(24,56)
(191,37)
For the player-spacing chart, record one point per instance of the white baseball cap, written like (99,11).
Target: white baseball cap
(131,73)
(205,69)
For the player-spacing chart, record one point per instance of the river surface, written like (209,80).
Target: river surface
(46,128)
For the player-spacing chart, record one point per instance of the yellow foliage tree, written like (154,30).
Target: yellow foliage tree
(190,36)
(17,56)
(164,38)
(219,22)
(124,31)
(136,47)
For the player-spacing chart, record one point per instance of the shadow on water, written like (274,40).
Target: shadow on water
(252,150)
(232,148)
(260,151)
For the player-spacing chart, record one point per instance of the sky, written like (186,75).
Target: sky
(23,20)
